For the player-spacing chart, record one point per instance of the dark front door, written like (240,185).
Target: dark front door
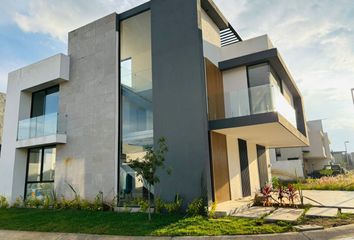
(262,165)
(245,174)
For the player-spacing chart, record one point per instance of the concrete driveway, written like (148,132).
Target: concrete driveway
(338,233)
(330,198)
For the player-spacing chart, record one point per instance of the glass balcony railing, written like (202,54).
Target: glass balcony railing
(259,99)
(41,126)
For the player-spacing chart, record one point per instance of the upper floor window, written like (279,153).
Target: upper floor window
(45,102)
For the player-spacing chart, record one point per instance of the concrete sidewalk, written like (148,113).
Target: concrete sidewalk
(330,198)
(338,233)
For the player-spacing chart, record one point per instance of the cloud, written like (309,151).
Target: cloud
(57,18)
(316,39)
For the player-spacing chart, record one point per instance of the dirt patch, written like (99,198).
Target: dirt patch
(330,222)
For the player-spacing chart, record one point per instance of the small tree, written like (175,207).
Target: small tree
(147,166)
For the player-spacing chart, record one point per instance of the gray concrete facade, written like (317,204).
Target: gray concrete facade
(179,98)
(88,161)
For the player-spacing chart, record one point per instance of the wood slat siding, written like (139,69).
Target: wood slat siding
(220,165)
(215,87)
(244,164)
(262,165)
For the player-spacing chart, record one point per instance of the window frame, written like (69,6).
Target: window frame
(45,90)
(41,171)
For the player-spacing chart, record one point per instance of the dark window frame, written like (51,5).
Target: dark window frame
(119,19)
(41,172)
(45,90)
(271,71)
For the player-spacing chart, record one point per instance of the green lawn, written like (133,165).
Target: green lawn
(133,224)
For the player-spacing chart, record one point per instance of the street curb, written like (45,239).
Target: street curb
(315,234)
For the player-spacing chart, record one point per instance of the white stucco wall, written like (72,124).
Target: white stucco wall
(253,167)
(234,167)
(236,92)
(211,38)
(21,82)
(246,47)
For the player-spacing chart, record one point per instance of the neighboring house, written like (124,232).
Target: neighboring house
(291,163)
(2,111)
(174,69)
(343,158)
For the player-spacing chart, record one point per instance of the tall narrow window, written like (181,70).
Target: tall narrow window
(136,102)
(40,172)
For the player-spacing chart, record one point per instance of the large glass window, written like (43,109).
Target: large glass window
(40,172)
(136,104)
(45,102)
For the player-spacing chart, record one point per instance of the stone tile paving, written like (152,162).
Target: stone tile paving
(303,228)
(285,214)
(254,212)
(322,212)
(349,211)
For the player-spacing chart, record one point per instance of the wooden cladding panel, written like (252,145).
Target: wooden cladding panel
(215,92)
(221,179)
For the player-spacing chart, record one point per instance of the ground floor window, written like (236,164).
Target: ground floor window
(40,172)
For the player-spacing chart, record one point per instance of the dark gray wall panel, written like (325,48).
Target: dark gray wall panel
(179,98)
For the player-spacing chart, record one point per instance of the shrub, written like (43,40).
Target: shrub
(33,202)
(211,213)
(19,203)
(3,202)
(97,204)
(275,182)
(197,208)
(47,202)
(292,194)
(174,207)
(266,192)
(159,205)
(326,172)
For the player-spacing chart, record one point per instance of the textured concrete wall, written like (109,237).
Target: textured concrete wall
(2,112)
(88,160)
(179,97)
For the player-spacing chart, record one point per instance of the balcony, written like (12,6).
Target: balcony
(260,114)
(42,130)
(256,100)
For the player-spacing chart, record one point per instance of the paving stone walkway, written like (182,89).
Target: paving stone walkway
(285,214)
(322,212)
(254,212)
(348,211)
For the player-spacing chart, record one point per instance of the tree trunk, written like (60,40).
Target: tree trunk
(149,207)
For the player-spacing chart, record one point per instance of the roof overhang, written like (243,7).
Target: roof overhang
(215,14)
(271,130)
(273,57)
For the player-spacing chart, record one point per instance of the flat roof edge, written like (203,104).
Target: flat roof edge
(215,14)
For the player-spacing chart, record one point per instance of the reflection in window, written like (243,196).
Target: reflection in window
(45,102)
(126,72)
(136,95)
(40,172)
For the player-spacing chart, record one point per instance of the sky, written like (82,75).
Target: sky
(315,38)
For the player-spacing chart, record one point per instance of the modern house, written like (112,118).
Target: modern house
(175,69)
(292,163)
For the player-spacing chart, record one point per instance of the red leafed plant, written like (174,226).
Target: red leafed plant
(267,195)
(291,194)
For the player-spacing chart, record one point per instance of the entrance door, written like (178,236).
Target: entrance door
(220,165)
(245,174)
(262,166)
